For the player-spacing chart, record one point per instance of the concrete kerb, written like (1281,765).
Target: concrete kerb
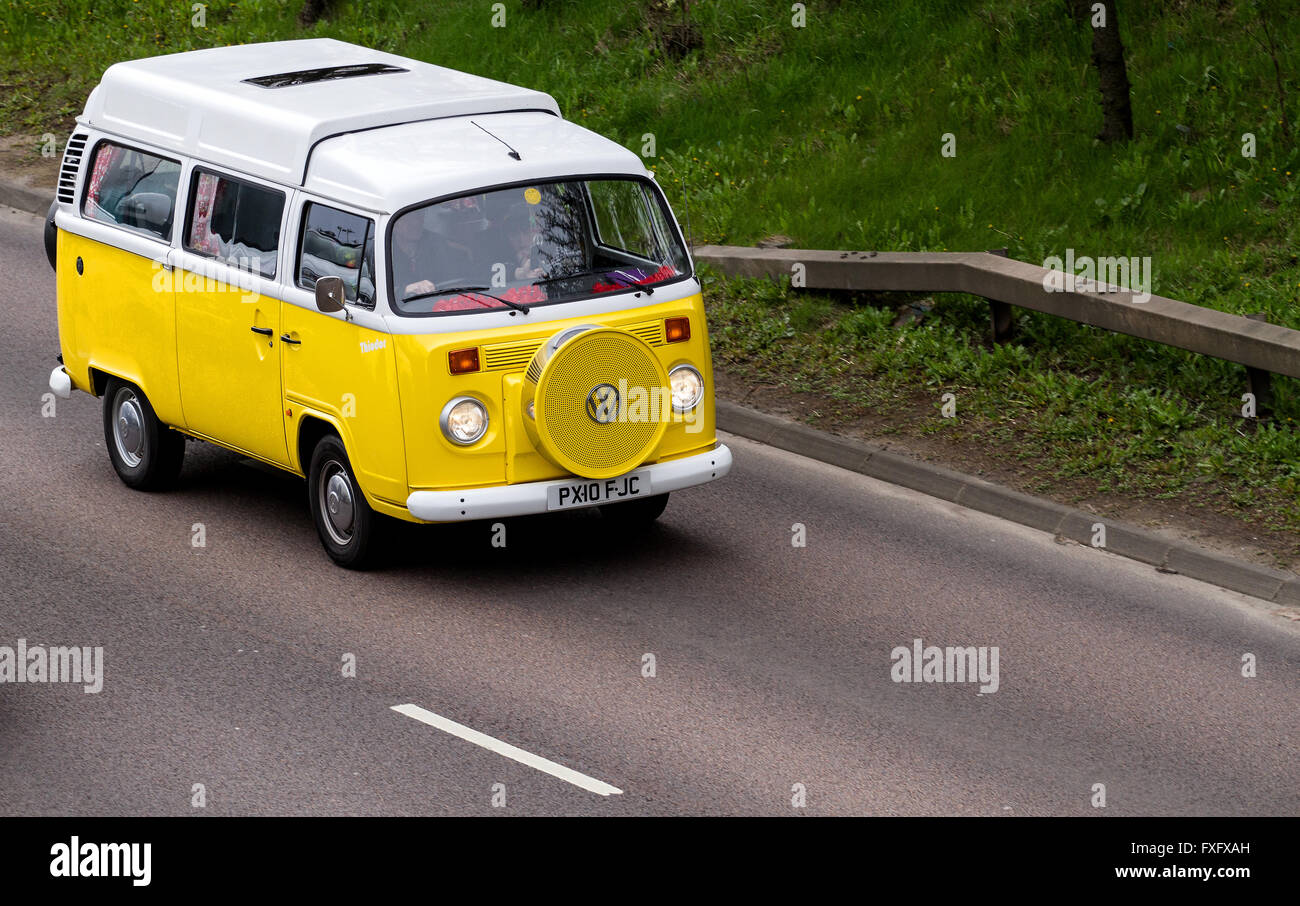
(1121,538)
(33,201)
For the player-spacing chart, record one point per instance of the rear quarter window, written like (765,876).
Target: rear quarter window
(132,189)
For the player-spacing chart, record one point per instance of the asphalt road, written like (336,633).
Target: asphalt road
(223,664)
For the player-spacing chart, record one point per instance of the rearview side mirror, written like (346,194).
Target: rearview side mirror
(329,294)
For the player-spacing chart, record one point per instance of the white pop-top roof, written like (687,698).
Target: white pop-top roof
(388,169)
(199,104)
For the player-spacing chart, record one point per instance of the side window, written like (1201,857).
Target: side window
(236,222)
(338,244)
(132,189)
(630,219)
(622,216)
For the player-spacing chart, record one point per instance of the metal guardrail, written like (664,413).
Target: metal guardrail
(1265,349)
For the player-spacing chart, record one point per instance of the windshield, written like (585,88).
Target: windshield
(532,245)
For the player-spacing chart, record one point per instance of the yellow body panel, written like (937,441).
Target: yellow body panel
(344,374)
(229,375)
(115,318)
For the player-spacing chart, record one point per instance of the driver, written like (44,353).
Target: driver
(410,257)
(419,254)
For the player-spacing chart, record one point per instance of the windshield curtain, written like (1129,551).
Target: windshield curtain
(534,244)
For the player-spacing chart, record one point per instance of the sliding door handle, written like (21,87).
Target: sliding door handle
(264,331)
(285,338)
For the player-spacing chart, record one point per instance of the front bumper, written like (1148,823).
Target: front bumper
(61,382)
(531,497)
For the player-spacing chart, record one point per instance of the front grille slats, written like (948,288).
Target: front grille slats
(516,356)
(652,332)
(510,356)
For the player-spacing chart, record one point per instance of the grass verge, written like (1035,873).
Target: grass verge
(1128,427)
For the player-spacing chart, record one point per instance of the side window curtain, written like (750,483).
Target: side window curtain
(132,189)
(338,244)
(236,222)
(105,157)
(367,290)
(201,238)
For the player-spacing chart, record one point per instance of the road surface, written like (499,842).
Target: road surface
(773,663)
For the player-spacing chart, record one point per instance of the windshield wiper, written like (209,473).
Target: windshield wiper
(476,290)
(615,275)
(579,274)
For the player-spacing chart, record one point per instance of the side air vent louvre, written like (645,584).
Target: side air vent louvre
(67,191)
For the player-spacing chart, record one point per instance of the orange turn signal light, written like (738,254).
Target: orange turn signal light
(463,361)
(677,330)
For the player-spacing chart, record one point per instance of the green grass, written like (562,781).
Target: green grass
(1067,403)
(831,136)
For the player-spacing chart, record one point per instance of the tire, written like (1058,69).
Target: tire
(146,454)
(634,514)
(51,235)
(349,529)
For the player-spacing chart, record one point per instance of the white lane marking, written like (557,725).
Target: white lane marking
(504,748)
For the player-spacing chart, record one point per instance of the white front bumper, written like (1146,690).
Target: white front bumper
(61,382)
(522,499)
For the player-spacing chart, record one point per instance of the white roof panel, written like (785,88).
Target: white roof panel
(200,104)
(388,169)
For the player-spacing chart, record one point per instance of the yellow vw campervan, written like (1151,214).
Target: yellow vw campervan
(424,291)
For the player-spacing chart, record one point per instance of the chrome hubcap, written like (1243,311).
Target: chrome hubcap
(128,428)
(336,502)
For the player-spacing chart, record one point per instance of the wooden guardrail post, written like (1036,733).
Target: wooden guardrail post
(1000,312)
(1259,383)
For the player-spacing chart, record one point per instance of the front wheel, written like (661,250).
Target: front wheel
(146,454)
(634,514)
(344,520)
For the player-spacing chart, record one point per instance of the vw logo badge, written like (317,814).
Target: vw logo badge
(602,404)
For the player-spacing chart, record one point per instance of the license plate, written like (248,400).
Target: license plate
(589,492)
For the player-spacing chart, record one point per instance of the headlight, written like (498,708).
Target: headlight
(687,387)
(464,420)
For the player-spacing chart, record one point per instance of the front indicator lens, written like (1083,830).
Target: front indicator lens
(677,330)
(463,361)
(464,420)
(687,387)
